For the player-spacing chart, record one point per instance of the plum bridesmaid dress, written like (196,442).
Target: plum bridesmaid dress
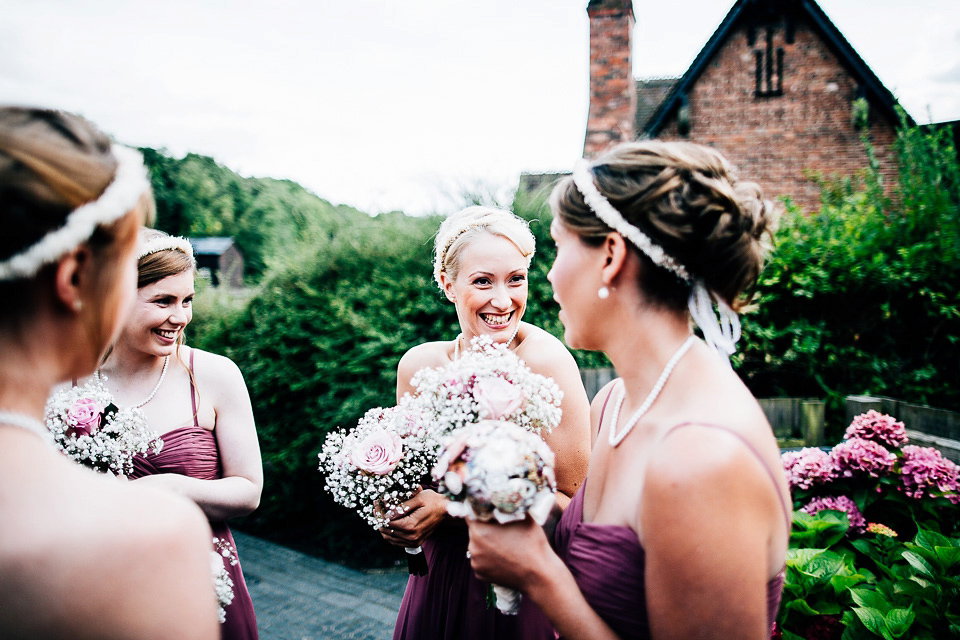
(192,451)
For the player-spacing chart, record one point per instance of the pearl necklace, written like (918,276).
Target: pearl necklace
(616,438)
(28,423)
(163,374)
(456,348)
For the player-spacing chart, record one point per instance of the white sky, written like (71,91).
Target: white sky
(395,104)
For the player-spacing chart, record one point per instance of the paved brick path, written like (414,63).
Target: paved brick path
(298,597)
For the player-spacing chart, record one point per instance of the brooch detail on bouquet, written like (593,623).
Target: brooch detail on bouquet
(495,470)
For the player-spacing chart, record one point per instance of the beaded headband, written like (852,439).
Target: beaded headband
(722,335)
(166,243)
(129,183)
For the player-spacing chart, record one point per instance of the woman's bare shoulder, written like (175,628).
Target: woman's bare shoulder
(65,528)
(426,354)
(543,351)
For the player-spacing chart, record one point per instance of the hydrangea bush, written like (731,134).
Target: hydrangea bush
(875,546)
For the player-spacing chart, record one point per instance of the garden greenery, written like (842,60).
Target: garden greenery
(875,547)
(860,297)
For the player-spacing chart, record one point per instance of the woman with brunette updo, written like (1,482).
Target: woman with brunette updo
(82,555)
(681,528)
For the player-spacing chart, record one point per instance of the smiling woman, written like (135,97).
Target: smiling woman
(196,400)
(482,258)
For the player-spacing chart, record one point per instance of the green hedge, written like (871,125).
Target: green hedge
(861,297)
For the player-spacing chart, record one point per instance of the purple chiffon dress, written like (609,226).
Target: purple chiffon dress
(451,602)
(192,451)
(607,561)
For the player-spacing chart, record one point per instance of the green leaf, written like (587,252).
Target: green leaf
(800,605)
(873,621)
(898,621)
(919,563)
(870,599)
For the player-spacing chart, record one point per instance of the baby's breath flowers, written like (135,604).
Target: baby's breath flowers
(91,429)
(380,463)
(488,382)
(221,555)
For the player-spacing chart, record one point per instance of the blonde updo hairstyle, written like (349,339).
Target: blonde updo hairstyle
(464,226)
(51,163)
(683,196)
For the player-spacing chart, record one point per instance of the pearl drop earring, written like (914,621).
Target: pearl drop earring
(603,293)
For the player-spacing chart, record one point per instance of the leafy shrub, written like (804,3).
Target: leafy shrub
(864,296)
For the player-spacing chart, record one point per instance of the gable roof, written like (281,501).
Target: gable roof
(650,95)
(874,91)
(211,245)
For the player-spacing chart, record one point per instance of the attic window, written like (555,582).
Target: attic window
(769,68)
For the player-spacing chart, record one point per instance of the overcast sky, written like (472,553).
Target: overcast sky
(395,104)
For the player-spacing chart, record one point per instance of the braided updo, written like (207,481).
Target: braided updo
(682,196)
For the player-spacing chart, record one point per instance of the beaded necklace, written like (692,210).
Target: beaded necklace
(456,348)
(163,373)
(27,423)
(616,438)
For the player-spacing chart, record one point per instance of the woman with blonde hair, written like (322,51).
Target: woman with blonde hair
(82,555)
(198,403)
(681,528)
(482,258)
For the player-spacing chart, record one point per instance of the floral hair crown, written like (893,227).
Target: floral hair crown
(721,334)
(129,183)
(166,243)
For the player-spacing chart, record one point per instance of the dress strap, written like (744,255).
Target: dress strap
(193,392)
(603,409)
(756,454)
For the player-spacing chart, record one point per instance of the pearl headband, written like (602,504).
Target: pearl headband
(722,335)
(129,183)
(166,243)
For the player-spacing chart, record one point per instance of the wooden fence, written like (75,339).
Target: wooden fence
(791,418)
(803,418)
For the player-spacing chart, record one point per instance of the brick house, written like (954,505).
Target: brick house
(776,88)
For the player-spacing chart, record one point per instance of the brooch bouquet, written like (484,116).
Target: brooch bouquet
(488,382)
(379,464)
(222,555)
(91,429)
(495,470)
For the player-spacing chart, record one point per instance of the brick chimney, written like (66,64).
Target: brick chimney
(613,91)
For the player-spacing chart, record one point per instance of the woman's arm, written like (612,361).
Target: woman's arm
(237,493)
(709,514)
(423,512)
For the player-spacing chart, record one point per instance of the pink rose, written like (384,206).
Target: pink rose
(378,453)
(84,417)
(498,398)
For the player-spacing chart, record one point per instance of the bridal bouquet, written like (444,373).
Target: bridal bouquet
(222,554)
(91,429)
(488,382)
(379,464)
(497,470)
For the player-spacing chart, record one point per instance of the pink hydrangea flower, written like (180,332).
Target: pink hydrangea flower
(808,467)
(839,503)
(924,472)
(877,427)
(858,456)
